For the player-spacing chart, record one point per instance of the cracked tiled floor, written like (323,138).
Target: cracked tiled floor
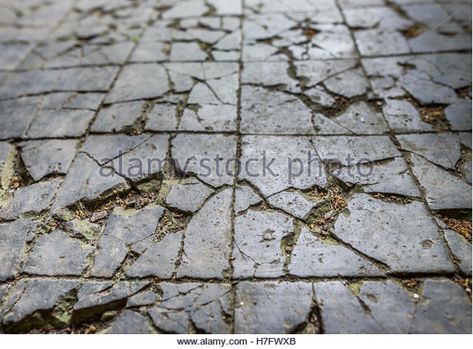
(235,166)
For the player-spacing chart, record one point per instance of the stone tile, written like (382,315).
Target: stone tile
(245,197)
(191,306)
(131,322)
(292,202)
(163,117)
(402,116)
(86,182)
(276,163)
(73,100)
(188,195)
(264,307)
(444,308)
(383,231)
(34,295)
(257,250)
(145,297)
(314,256)
(96,294)
(348,151)
(31,200)
(125,231)
(429,79)
(390,176)
(265,111)
(16,115)
(139,81)
(459,116)
(382,297)
(210,158)
(117,117)
(442,149)
(145,160)
(57,254)
(13,239)
(207,239)
(159,259)
(358,118)
(61,123)
(49,157)
(444,191)
(460,248)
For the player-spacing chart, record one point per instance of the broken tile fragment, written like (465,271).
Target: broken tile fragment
(96,294)
(57,254)
(117,117)
(32,199)
(131,322)
(43,158)
(189,307)
(188,195)
(258,249)
(86,181)
(13,239)
(263,307)
(207,239)
(384,231)
(293,203)
(245,197)
(34,295)
(125,231)
(436,182)
(440,148)
(314,256)
(159,259)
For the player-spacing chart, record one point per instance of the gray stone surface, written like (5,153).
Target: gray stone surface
(188,195)
(13,239)
(264,307)
(32,295)
(459,116)
(184,306)
(32,199)
(57,254)
(354,150)
(43,158)
(85,182)
(460,248)
(385,307)
(314,256)
(207,239)
(61,123)
(117,117)
(257,250)
(442,149)
(293,203)
(95,294)
(390,176)
(436,182)
(131,322)
(385,232)
(125,231)
(210,158)
(249,166)
(245,197)
(138,82)
(159,259)
(295,164)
